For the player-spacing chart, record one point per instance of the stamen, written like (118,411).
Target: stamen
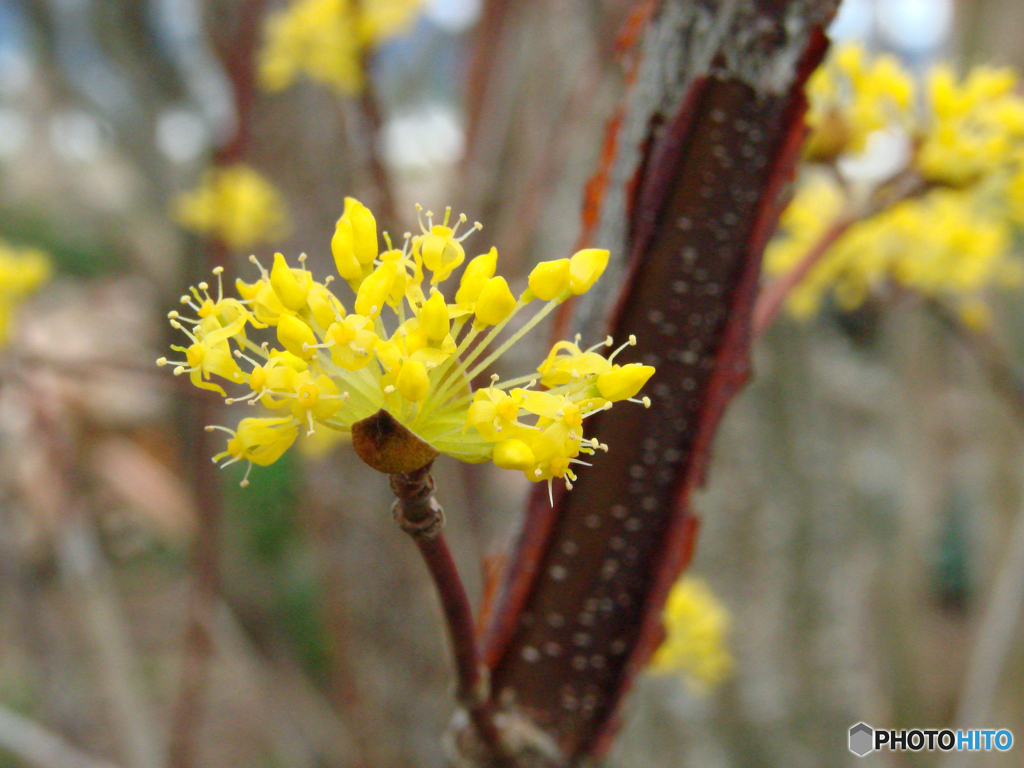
(477,226)
(302,258)
(263,272)
(161,361)
(389,389)
(211,427)
(242,356)
(218,271)
(447,215)
(630,343)
(245,480)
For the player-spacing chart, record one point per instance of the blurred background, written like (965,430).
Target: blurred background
(858,523)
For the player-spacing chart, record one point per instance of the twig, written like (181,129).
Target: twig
(87,574)
(198,645)
(989,353)
(992,646)
(420,515)
(31,742)
(773,295)
(903,185)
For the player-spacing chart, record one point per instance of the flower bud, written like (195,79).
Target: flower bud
(413,382)
(375,289)
(434,318)
(625,382)
(290,288)
(343,248)
(478,271)
(293,334)
(513,454)
(364,231)
(549,279)
(585,267)
(495,302)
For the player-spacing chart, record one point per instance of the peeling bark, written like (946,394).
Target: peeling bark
(701,154)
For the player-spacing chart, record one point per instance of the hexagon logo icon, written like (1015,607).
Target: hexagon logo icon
(862,738)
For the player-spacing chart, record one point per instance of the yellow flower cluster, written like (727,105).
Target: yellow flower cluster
(953,237)
(696,629)
(950,244)
(850,97)
(325,40)
(973,129)
(335,366)
(22,271)
(235,204)
(962,130)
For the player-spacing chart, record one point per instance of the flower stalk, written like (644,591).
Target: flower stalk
(418,513)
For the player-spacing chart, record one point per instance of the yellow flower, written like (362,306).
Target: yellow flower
(952,245)
(258,441)
(326,39)
(974,128)
(234,204)
(22,271)
(405,351)
(696,630)
(850,97)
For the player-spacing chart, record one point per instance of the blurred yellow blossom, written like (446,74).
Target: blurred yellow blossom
(336,367)
(972,128)
(949,245)
(696,635)
(326,40)
(234,204)
(949,231)
(22,271)
(851,96)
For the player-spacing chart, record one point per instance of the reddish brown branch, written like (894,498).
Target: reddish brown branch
(989,353)
(420,515)
(186,714)
(904,185)
(774,295)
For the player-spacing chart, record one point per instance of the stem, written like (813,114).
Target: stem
(420,515)
(988,352)
(994,639)
(772,297)
(903,185)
